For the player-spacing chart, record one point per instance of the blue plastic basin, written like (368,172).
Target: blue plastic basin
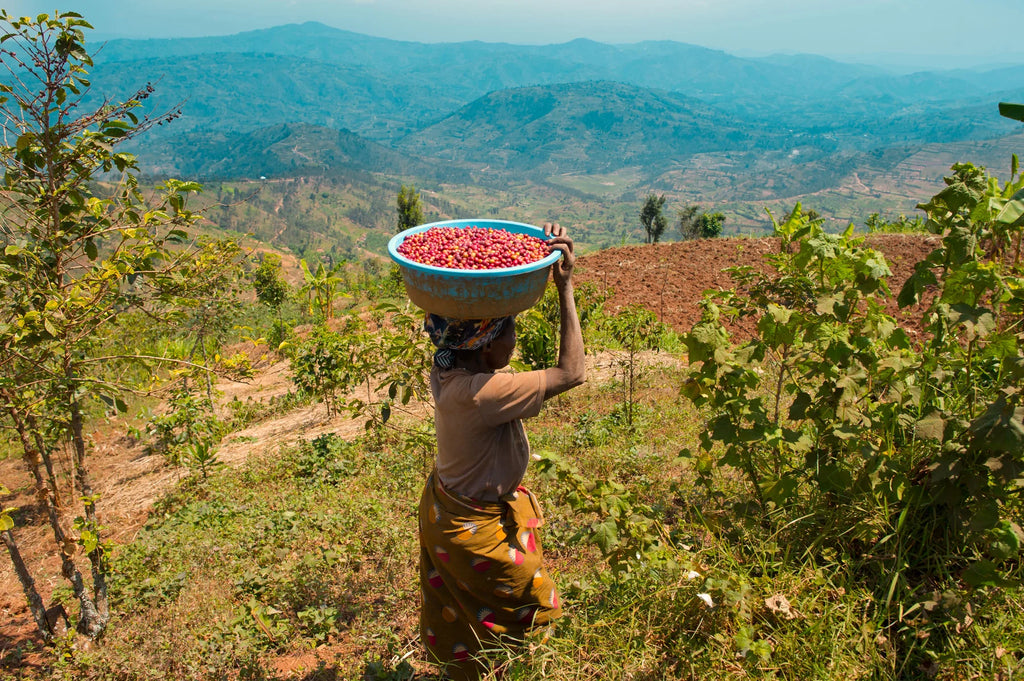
(474,294)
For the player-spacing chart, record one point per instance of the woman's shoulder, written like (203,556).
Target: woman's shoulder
(489,384)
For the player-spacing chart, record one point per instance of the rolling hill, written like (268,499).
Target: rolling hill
(601,126)
(598,122)
(386,90)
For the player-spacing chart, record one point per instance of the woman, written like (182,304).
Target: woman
(481,573)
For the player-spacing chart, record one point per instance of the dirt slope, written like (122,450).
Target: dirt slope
(670,278)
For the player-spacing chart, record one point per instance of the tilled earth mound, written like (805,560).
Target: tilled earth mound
(669,279)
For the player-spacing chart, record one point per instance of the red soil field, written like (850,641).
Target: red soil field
(669,279)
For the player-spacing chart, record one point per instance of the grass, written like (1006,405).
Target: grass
(610,185)
(303,565)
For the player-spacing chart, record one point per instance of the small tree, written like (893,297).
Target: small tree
(320,288)
(82,252)
(537,329)
(709,225)
(696,224)
(652,219)
(635,328)
(272,290)
(267,280)
(324,364)
(686,220)
(410,210)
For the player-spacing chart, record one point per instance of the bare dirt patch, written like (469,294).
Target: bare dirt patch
(669,279)
(130,481)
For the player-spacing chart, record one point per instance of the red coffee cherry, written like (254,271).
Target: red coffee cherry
(472,248)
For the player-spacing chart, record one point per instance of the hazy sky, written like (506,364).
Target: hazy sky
(949,32)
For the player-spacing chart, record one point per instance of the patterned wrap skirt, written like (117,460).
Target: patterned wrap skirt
(481,576)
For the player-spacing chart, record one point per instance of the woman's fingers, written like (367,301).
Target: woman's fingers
(553,229)
(568,259)
(561,241)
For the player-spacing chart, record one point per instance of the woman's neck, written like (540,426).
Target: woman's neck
(473,362)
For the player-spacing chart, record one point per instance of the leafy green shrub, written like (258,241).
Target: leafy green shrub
(323,366)
(903,457)
(201,456)
(188,421)
(326,458)
(624,528)
(252,411)
(268,281)
(590,430)
(635,329)
(537,329)
(876,224)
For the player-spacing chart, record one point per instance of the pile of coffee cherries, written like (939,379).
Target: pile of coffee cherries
(472,248)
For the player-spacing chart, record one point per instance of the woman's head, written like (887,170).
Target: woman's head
(487,342)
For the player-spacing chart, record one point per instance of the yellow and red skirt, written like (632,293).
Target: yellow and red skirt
(482,578)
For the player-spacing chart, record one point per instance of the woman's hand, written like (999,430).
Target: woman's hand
(561,271)
(571,369)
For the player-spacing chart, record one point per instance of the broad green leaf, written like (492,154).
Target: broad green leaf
(931,427)
(916,284)
(1000,428)
(834,478)
(605,535)
(985,515)
(1014,111)
(826,304)
(89,540)
(984,573)
(798,410)
(1005,541)
(782,490)
(1012,211)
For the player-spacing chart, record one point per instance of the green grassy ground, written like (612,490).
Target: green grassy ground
(303,565)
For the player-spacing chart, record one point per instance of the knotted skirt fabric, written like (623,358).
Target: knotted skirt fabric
(481,576)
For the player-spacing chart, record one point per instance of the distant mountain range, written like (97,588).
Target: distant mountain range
(310,96)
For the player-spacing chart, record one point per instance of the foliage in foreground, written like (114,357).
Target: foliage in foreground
(310,555)
(80,259)
(902,460)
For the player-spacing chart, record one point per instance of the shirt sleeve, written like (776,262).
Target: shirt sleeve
(504,397)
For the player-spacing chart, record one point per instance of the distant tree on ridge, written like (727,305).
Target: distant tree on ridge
(652,219)
(696,224)
(410,210)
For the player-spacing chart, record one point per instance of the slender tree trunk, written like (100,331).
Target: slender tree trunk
(28,585)
(95,611)
(25,424)
(66,545)
(44,454)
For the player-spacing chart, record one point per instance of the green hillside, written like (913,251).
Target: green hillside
(592,127)
(390,91)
